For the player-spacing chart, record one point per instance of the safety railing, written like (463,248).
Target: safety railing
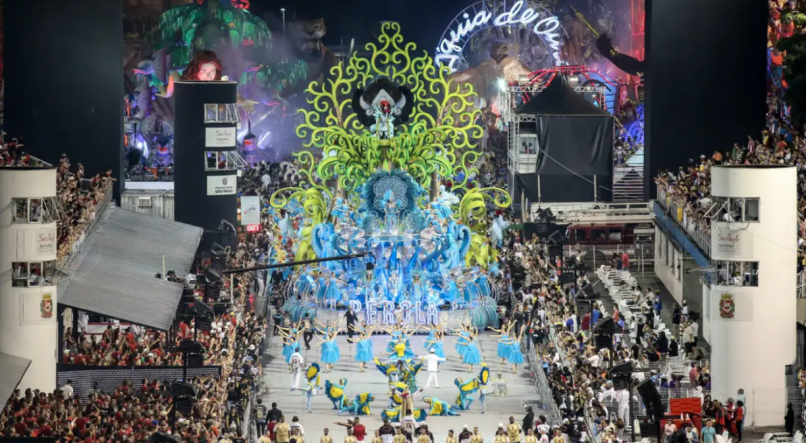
(544,394)
(692,227)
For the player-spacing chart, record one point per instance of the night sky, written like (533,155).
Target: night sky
(422,21)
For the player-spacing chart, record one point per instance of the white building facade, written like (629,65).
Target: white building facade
(750,305)
(28,248)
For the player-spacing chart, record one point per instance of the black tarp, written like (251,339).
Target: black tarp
(574,136)
(575,142)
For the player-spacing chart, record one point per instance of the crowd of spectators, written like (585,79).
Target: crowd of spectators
(688,188)
(576,369)
(78,195)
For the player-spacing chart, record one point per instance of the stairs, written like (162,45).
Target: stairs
(628,184)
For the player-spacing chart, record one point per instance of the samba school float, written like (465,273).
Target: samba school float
(392,129)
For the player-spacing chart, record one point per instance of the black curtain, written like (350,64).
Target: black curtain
(706,85)
(572,145)
(63,76)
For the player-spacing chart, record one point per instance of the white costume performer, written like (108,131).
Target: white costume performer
(297,361)
(432,361)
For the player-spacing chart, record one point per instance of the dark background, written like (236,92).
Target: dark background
(706,81)
(421,21)
(63,76)
(193,206)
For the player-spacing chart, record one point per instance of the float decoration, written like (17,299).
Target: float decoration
(388,125)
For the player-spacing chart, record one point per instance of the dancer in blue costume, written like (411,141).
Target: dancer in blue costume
(504,342)
(515,355)
(462,342)
(359,406)
(290,343)
(472,356)
(363,353)
(330,350)
(439,407)
(483,378)
(335,392)
(463,400)
(434,341)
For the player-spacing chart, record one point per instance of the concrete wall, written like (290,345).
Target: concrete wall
(28,325)
(753,329)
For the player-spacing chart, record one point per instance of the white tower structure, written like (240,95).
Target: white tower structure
(28,214)
(751,307)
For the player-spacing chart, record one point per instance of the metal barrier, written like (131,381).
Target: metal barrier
(544,394)
(677,212)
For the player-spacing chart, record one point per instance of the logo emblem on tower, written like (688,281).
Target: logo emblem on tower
(727,306)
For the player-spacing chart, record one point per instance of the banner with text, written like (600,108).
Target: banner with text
(728,244)
(221,184)
(220,137)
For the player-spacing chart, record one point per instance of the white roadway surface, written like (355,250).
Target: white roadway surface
(277,378)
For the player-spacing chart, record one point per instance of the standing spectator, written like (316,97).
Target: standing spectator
(67,389)
(326,438)
(708,432)
(387,432)
(295,424)
(465,436)
(261,413)
(739,419)
(513,431)
(351,318)
(282,432)
(476,438)
(274,413)
(450,438)
(423,438)
(789,420)
(349,438)
(668,430)
(528,420)
(625,261)
(307,332)
(359,430)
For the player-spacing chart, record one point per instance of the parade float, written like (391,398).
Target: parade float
(395,181)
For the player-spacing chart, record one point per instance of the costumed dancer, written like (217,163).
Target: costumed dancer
(312,381)
(439,407)
(504,342)
(309,391)
(484,378)
(434,341)
(335,392)
(472,356)
(516,356)
(403,410)
(360,406)
(290,343)
(330,350)
(363,353)
(463,400)
(462,342)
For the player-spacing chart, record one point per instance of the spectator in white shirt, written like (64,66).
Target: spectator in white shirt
(67,389)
